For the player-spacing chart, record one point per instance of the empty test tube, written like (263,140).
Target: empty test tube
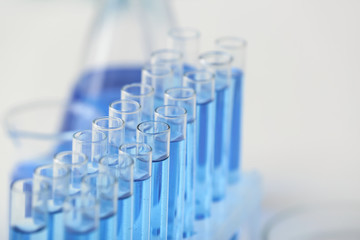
(144,95)
(130,112)
(185,97)
(142,156)
(219,63)
(157,135)
(236,47)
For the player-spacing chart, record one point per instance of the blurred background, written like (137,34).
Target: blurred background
(301,93)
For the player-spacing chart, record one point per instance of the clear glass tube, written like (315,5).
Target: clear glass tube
(176,117)
(81,217)
(114,129)
(77,163)
(160,77)
(171,58)
(185,97)
(130,112)
(91,143)
(203,83)
(104,187)
(144,95)
(219,63)
(157,135)
(142,155)
(58,179)
(28,210)
(121,166)
(186,40)
(236,47)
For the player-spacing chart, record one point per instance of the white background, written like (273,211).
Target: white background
(301,117)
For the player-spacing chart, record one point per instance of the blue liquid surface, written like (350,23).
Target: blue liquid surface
(205,126)
(72,234)
(159,198)
(17,233)
(125,218)
(176,188)
(235,153)
(56,226)
(189,208)
(108,226)
(142,200)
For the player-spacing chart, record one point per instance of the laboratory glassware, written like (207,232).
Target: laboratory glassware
(91,143)
(28,210)
(186,40)
(236,47)
(114,129)
(121,166)
(157,135)
(176,117)
(203,83)
(185,97)
(77,163)
(130,112)
(160,77)
(219,62)
(104,187)
(144,95)
(142,156)
(58,179)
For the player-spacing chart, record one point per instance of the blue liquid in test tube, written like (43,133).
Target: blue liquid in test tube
(142,155)
(157,136)
(176,117)
(185,97)
(220,64)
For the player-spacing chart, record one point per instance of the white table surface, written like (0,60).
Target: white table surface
(301,116)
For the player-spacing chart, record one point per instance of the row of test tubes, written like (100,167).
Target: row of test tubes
(166,151)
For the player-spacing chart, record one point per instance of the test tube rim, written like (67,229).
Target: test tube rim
(131,162)
(125,112)
(149,152)
(167,130)
(181,98)
(37,174)
(90,175)
(167,61)
(203,56)
(242,43)
(147,66)
(81,208)
(76,136)
(138,85)
(172,33)
(14,188)
(206,80)
(64,153)
(109,128)
(171,117)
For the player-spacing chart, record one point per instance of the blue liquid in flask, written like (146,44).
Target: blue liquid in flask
(91,234)
(142,194)
(125,218)
(108,226)
(17,233)
(56,226)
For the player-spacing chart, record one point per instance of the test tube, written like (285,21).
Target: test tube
(91,143)
(121,166)
(236,47)
(157,136)
(185,97)
(176,117)
(58,179)
(144,95)
(104,188)
(203,83)
(28,210)
(160,77)
(219,63)
(186,40)
(77,163)
(114,129)
(130,112)
(171,58)
(142,155)
(81,217)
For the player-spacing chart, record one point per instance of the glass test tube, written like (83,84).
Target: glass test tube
(142,156)
(28,210)
(81,217)
(58,179)
(185,97)
(77,163)
(186,40)
(236,47)
(114,129)
(160,77)
(144,95)
(121,166)
(104,187)
(171,58)
(130,112)
(204,85)
(157,135)
(219,63)
(91,143)
(176,117)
